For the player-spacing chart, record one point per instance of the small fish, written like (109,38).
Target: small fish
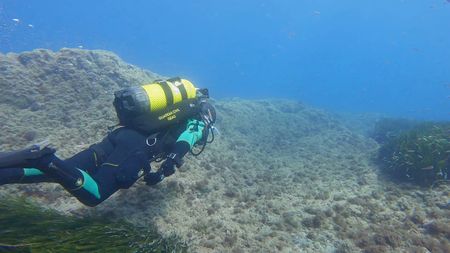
(428,167)
(30,25)
(16,20)
(317,13)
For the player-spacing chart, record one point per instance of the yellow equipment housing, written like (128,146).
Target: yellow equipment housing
(165,93)
(152,107)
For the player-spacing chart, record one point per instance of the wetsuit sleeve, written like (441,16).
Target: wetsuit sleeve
(189,137)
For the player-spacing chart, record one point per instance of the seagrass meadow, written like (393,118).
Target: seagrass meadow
(25,227)
(420,154)
(282,176)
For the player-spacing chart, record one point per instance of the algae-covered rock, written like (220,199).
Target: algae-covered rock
(59,95)
(420,154)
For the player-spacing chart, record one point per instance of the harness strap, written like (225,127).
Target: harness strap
(168,93)
(177,82)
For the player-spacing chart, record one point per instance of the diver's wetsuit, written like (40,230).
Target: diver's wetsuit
(115,163)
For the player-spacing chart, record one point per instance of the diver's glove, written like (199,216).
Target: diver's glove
(167,169)
(153,178)
(168,166)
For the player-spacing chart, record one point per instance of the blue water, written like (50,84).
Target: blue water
(386,56)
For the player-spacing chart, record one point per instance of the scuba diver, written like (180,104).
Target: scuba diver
(161,121)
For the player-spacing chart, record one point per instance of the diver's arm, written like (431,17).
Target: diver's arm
(184,143)
(187,139)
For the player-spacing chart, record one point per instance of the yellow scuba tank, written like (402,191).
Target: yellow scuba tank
(152,107)
(166,93)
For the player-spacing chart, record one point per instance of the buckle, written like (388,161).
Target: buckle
(151,143)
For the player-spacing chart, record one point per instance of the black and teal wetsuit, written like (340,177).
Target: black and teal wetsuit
(117,162)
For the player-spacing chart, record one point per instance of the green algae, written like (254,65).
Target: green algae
(25,227)
(420,154)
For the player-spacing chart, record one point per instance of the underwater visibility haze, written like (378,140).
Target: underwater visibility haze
(388,57)
(332,116)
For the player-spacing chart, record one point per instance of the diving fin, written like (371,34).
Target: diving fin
(20,158)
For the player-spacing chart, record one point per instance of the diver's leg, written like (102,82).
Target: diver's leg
(87,192)
(99,182)
(51,169)
(85,160)
(67,173)
(23,176)
(76,181)
(94,189)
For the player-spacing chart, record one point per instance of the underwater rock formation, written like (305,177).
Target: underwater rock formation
(281,176)
(57,94)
